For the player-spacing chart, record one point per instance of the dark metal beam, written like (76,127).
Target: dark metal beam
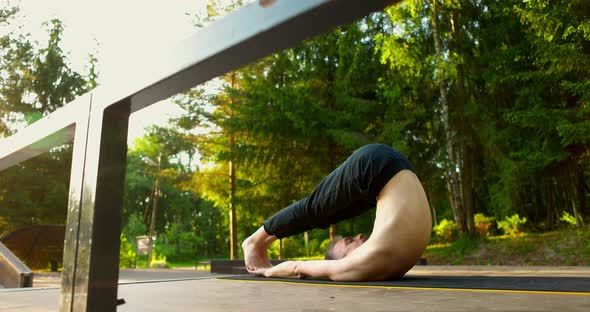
(91,283)
(71,241)
(245,36)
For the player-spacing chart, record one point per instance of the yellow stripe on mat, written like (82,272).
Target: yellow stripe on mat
(535,292)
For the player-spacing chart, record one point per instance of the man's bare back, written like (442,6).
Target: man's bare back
(401,230)
(400,235)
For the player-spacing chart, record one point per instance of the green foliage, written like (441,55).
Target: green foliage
(565,247)
(512,225)
(274,250)
(134,227)
(446,230)
(568,219)
(35,80)
(285,122)
(126,253)
(159,260)
(465,243)
(514,75)
(5,226)
(176,243)
(293,248)
(483,224)
(455,252)
(573,247)
(517,108)
(189,226)
(518,104)
(324,245)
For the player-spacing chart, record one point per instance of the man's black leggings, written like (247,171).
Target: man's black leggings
(348,191)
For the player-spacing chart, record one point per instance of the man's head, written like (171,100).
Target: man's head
(341,247)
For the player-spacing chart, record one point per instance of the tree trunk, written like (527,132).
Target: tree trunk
(452,173)
(565,193)
(550,208)
(233,233)
(572,177)
(581,190)
(332,231)
(175,219)
(333,228)
(430,200)
(468,149)
(306,240)
(468,190)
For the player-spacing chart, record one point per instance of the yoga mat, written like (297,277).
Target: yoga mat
(524,283)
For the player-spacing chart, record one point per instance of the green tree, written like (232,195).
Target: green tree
(293,117)
(426,86)
(534,121)
(223,144)
(511,100)
(180,209)
(559,33)
(413,121)
(34,82)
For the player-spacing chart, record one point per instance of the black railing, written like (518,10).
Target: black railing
(97,124)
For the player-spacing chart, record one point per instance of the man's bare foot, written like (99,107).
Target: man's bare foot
(255,256)
(255,250)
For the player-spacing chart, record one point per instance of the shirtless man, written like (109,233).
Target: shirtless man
(373,175)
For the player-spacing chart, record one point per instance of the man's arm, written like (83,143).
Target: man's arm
(285,269)
(336,270)
(346,269)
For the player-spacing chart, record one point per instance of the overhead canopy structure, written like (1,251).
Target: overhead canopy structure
(97,123)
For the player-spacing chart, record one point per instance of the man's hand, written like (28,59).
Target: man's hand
(259,272)
(287,269)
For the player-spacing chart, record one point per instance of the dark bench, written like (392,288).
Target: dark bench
(40,246)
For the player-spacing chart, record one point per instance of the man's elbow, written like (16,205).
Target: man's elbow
(299,269)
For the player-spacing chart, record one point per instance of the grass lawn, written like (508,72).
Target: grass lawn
(567,247)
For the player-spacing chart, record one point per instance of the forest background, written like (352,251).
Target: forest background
(490,101)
